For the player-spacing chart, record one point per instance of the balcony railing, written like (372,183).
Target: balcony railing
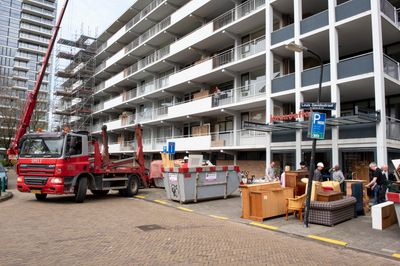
(392,128)
(37,19)
(33,37)
(38,9)
(148,34)
(249,92)
(154,4)
(391,67)
(35,28)
(390,11)
(237,13)
(242,51)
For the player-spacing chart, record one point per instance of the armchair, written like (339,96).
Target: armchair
(296,205)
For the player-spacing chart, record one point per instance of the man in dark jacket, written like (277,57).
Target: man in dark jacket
(377,183)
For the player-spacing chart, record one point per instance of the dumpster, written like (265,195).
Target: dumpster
(200,183)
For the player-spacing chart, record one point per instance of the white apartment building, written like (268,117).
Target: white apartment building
(193,71)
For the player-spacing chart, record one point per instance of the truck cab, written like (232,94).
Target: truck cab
(49,162)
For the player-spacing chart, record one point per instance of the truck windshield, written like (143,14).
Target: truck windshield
(42,147)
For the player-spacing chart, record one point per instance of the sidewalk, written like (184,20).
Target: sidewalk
(5,196)
(356,233)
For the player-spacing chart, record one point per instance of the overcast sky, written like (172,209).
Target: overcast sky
(91,15)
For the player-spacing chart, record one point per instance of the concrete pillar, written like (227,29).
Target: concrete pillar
(298,66)
(236,129)
(379,81)
(335,91)
(269,68)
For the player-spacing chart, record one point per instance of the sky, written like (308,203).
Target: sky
(90,16)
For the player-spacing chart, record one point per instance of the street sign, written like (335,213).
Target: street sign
(316,129)
(171,147)
(256,126)
(164,149)
(318,106)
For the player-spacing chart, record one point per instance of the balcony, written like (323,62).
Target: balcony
(242,51)
(153,5)
(237,13)
(283,83)
(250,93)
(391,67)
(354,66)
(311,76)
(314,22)
(42,3)
(35,19)
(35,29)
(390,11)
(192,143)
(38,11)
(283,34)
(351,8)
(392,128)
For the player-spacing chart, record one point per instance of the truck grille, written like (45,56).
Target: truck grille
(35,180)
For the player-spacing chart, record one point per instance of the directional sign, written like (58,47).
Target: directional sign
(164,149)
(317,126)
(171,147)
(256,126)
(318,106)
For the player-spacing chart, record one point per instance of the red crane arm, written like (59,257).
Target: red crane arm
(30,103)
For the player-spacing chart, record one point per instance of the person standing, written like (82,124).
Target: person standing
(317,172)
(337,175)
(270,173)
(303,166)
(376,183)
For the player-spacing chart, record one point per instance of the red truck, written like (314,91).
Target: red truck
(70,163)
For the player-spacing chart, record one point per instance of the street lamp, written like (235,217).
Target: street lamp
(299,48)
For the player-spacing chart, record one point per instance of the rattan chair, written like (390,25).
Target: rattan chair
(296,205)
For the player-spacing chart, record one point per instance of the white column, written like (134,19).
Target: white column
(298,65)
(269,68)
(236,128)
(335,91)
(379,81)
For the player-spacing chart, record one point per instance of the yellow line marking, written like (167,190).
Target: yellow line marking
(328,240)
(140,197)
(185,209)
(160,201)
(270,227)
(219,217)
(396,255)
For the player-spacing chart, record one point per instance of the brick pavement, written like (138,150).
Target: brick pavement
(104,231)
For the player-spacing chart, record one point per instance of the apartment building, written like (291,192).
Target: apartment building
(26,28)
(193,71)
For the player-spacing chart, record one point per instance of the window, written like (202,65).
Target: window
(73,145)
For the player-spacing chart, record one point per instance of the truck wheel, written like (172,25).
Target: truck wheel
(41,197)
(133,187)
(80,191)
(100,192)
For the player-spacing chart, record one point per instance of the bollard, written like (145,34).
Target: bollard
(3,184)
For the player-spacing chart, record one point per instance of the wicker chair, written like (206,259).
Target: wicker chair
(296,205)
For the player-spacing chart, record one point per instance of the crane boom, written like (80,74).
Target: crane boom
(30,103)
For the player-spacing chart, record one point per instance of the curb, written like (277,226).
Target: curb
(6,196)
(315,239)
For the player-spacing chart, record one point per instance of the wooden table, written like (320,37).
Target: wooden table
(247,188)
(365,193)
(328,196)
(269,203)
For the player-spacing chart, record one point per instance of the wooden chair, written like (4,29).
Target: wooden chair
(296,205)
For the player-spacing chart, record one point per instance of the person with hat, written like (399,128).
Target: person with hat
(317,173)
(185,162)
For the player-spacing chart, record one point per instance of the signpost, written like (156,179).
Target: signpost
(318,106)
(164,149)
(317,126)
(171,150)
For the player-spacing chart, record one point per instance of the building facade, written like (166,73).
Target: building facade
(26,28)
(194,71)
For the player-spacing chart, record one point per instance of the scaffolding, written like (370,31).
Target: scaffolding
(75,81)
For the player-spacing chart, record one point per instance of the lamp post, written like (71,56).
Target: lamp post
(299,48)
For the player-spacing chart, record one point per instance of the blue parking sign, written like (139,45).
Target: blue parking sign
(317,127)
(171,147)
